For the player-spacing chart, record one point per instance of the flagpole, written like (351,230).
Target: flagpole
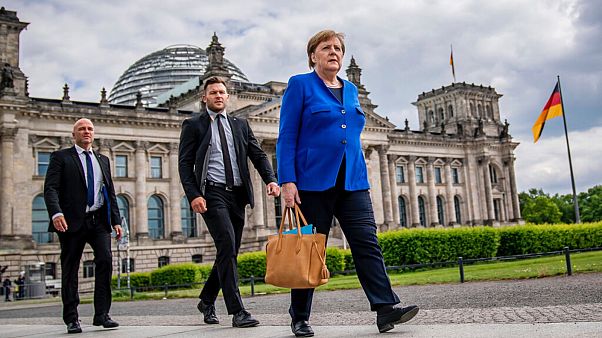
(568,148)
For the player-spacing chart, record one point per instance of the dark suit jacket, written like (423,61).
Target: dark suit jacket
(195,140)
(65,190)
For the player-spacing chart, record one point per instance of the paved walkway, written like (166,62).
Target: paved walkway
(548,307)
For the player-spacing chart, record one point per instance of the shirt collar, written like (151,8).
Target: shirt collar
(213,114)
(80,150)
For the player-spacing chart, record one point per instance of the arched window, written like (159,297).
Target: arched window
(188,219)
(489,111)
(156,221)
(457,208)
(440,210)
(421,211)
(472,112)
(479,110)
(124,209)
(431,117)
(441,115)
(493,174)
(39,221)
(403,217)
(450,111)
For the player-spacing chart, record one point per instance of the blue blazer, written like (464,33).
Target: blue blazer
(316,131)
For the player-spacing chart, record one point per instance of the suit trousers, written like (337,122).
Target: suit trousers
(72,247)
(225,218)
(353,210)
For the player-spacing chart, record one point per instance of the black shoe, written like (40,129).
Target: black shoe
(104,321)
(74,327)
(386,320)
(244,319)
(302,329)
(208,311)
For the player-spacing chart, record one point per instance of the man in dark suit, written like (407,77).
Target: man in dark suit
(81,203)
(215,175)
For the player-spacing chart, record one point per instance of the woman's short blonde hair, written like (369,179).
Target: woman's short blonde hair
(320,37)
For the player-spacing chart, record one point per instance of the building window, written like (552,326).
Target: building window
(450,111)
(419,175)
(156,222)
(497,209)
(455,176)
(197,259)
(88,269)
(121,166)
(438,179)
(399,175)
(155,164)
(441,115)
(50,272)
(163,261)
(43,161)
(403,216)
(188,219)
(457,208)
(421,211)
(39,221)
(493,174)
(124,265)
(440,211)
(124,210)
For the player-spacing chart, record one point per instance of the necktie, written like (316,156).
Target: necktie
(225,152)
(89,179)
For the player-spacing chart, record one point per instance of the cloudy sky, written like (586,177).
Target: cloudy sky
(517,47)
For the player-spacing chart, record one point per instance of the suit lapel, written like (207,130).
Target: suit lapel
(103,168)
(235,125)
(78,164)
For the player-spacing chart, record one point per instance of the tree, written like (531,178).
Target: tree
(537,207)
(566,206)
(590,204)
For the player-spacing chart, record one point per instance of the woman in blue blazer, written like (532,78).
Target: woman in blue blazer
(321,167)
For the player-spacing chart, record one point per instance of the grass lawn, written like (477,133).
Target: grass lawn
(517,269)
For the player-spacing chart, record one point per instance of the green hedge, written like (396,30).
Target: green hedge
(176,274)
(407,247)
(437,245)
(251,264)
(335,259)
(530,238)
(137,279)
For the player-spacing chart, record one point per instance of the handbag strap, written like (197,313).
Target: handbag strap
(299,214)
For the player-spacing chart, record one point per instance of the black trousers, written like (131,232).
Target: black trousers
(353,210)
(225,218)
(72,247)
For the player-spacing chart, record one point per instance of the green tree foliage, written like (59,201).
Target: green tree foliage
(537,207)
(590,204)
(566,207)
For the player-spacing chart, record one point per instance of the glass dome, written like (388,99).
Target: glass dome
(161,71)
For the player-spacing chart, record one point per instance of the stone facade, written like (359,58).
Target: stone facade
(458,169)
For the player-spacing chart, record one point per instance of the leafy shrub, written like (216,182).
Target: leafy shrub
(251,264)
(205,270)
(176,274)
(335,259)
(349,263)
(137,279)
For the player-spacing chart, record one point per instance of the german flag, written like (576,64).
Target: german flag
(551,110)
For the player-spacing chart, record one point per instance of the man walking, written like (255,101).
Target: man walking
(81,203)
(214,171)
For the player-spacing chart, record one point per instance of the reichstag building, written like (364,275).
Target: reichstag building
(456,169)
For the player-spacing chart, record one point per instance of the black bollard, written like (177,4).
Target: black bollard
(461,266)
(567,254)
(252,285)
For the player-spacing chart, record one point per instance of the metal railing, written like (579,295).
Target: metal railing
(461,262)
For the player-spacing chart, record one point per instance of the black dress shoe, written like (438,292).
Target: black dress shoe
(74,327)
(244,319)
(387,318)
(104,321)
(208,311)
(302,329)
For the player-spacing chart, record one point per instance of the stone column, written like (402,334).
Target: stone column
(430,179)
(258,194)
(174,195)
(449,198)
(385,185)
(415,218)
(513,193)
(141,223)
(394,191)
(7,204)
(471,179)
(488,195)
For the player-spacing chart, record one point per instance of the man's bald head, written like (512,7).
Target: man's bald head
(83,133)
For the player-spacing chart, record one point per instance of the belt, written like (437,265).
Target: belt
(93,214)
(221,185)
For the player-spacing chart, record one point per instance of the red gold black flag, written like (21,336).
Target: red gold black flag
(551,110)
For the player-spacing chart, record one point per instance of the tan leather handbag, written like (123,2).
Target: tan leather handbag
(296,261)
